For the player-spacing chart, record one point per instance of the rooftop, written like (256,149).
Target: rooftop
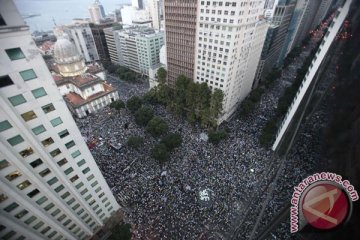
(81,81)
(75,100)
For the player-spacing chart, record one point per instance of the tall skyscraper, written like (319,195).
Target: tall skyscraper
(180,27)
(228,40)
(50,185)
(139,4)
(100,40)
(322,12)
(97,12)
(276,35)
(155,8)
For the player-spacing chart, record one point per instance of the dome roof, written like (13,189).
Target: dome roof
(65,51)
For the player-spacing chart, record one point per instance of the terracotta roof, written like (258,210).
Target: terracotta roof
(75,100)
(80,81)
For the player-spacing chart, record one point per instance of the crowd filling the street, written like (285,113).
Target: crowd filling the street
(205,190)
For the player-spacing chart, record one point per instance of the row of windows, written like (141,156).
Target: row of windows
(19,99)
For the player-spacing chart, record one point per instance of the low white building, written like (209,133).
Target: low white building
(81,85)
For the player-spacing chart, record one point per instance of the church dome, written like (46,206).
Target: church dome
(69,61)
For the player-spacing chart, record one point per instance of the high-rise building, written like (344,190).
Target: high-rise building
(322,12)
(155,8)
(112,42)
(139,4)
(228,39)
(271,54)
(180,27)
(81,35)
(97,31)
(97,12)
(139,48)
(51,187)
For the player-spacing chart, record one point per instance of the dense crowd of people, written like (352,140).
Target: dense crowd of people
(162,201)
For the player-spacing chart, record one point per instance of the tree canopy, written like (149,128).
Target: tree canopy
(121,232)
(143,116)
(157,127)
(135,141)
(160,153)
(172,141)
(134,103)
(118,105)
(216,136)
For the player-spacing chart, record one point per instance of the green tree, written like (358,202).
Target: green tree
(161,75)
(172,141)
(118,105)
(151,96)
(143,116)
(157,127)
(160,153)
(216,105)
(216,136)
(134,103)
(135,141)
(121,232)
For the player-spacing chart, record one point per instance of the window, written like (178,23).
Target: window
(17,100)
(79,185)
(84,191)
(42,200)
(56,212)
(4,164)
(36,163)
(26,152)
(28,116)
(9,235)
(74,178)
(44,172)
(30,220)
(39,92)
(39,129)
(11,207)
(80,163)
(65,195)
(90,177)
(101,195)
(70,144)
(59,188)
(70,201)
(28,74)
(38,225)
(5,81)
(68,171)
(4,125)
(47,142)
(13,175)
(75,154)
(52,234)
(24,184)
(98,189)
(33,193)
(62,162)
(76,206)
(56,121)
(63,134)
(48,108)
(94,184)
(15,140)
(88,197)
(49,206)
(55,152)
(67,222)
(15,53)
(62,217)
(86,170)
(52,181)
(45,230)
(21,214)
(104,200)
(80,212)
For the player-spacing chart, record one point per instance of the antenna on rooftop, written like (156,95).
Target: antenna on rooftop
(54,21)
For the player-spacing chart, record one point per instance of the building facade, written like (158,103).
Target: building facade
(50,186)
(322,12)
(155,8)
(139,4)
(139,48)
(98,33)
(180,32)
(228,41)
(97,13)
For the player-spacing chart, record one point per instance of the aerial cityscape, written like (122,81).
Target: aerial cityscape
(179,119)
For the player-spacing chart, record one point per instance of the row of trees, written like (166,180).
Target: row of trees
(268,133)
(122,72)
(249,104)
(194,101)
(154,125)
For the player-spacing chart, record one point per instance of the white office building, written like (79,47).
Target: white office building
(97,13)
(51,187)
(155,9)
(229,39)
